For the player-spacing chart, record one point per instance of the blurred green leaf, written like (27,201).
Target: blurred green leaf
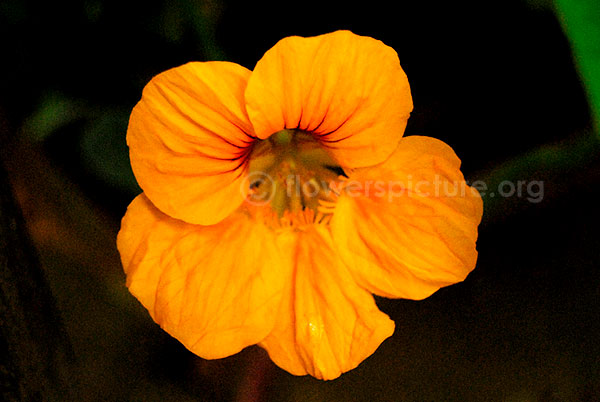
(93,10)
(555,168)
(581,21)
(104,150)
(199,18)
(205,16)
(173,23)
(55,111)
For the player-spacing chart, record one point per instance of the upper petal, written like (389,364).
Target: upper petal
(189,138)
(348,90)
(409,226)
(214,288)
(327,324)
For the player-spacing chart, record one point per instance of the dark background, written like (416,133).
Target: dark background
(495,80)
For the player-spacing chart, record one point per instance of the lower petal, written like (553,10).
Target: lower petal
(409,226)
(327,324)
(211,287)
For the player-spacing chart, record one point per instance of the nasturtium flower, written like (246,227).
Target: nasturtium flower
(277,201)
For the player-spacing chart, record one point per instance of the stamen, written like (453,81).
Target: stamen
(326,210)
(319,217)
(327,204)
(338,186)
(297,179)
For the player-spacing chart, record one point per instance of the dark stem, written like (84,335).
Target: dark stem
(35,354)
(255,380)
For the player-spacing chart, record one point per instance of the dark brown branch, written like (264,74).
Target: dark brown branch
(35,353)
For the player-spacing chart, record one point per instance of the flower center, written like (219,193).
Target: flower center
(292,173)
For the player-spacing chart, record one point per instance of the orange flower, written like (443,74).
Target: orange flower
(277,201)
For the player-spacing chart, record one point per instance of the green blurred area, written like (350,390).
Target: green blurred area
(499,81)
(581,20)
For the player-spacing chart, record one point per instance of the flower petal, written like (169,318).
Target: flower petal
(348,90)
(189,138)
(214,288)
(409,226)
(326,324)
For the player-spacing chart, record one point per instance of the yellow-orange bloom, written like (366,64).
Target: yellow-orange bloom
(277,201)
